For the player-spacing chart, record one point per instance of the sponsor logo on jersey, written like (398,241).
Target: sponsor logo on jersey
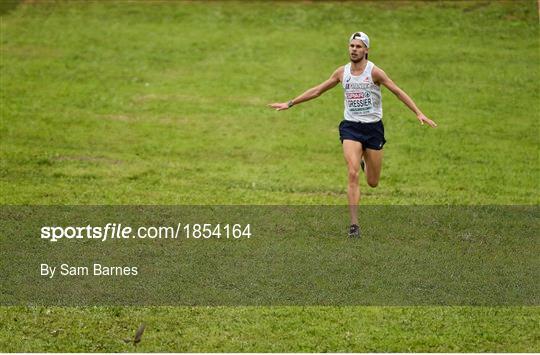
(358,95)
(357,86)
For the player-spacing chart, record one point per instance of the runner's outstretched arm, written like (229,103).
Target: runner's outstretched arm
(312,93)
(380,76)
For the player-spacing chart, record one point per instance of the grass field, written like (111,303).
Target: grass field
(164,103)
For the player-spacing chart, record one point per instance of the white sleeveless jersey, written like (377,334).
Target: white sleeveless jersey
(363,100)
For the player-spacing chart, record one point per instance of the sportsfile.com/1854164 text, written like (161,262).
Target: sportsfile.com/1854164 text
(112,231)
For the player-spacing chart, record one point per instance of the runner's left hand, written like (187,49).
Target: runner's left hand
(422,118)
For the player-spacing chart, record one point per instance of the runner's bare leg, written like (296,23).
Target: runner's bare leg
(352,152)
(373,165)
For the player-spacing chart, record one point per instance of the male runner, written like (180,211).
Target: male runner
(361,132)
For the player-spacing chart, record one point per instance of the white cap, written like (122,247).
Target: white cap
(361,36)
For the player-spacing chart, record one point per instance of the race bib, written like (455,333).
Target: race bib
(360,101)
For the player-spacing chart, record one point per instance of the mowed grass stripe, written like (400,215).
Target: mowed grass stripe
(274,329)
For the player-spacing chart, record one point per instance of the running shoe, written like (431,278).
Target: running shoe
(354,231)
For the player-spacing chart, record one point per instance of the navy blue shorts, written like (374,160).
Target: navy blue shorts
(371,135)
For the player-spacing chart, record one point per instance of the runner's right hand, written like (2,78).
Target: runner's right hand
(278,106)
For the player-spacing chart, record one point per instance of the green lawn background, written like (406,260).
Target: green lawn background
(164,103)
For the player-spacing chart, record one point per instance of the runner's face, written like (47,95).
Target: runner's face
(357,50)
